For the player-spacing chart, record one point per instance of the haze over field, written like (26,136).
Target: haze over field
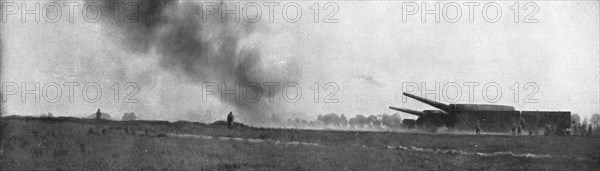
(369,53)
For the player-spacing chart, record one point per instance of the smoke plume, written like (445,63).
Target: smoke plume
(196,51)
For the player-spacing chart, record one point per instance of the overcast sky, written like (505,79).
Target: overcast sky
(368,54)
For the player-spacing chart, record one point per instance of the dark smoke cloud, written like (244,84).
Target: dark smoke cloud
(148,16)
(199,51)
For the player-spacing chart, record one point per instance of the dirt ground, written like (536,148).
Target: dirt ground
(81,144)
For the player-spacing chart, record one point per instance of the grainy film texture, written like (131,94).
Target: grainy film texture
(299,85)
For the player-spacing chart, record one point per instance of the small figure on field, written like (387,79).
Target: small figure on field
(98,114)
(514,128)
(230,120)
(520,126)
(477,128)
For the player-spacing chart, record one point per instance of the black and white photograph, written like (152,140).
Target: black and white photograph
(299,85)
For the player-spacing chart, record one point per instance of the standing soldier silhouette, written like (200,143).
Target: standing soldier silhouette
(98,114)
(230,120)
(514,128)
(520,126)
(477,128)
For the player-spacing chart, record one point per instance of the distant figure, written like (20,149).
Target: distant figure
(514,128)
(589,132)
(477,128)
(520,126)
(230,120)
(98,114)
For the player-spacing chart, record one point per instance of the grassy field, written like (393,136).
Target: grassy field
(81,144)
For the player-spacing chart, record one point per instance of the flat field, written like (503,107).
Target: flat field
(81,144)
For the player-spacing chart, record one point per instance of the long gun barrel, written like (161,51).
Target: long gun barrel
(414,112)
(435,104)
